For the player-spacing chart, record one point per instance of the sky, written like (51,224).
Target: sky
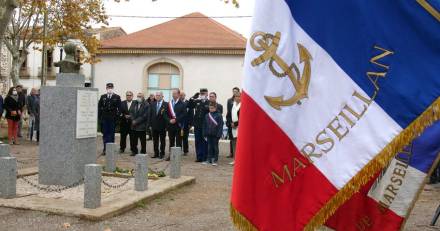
(177,8)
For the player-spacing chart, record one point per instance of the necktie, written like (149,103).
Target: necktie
(158,107)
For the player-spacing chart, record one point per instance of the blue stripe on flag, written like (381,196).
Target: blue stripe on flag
(349,30)
(425,148)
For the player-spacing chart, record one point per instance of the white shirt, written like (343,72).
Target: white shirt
(129,104)
(234,115)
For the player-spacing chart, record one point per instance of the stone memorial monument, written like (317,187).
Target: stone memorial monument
(68,125)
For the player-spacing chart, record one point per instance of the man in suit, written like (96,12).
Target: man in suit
(127,109)
(176,113)
(200,104)
(229,104)
(108,113)
(158,123)
(140,124)
(150,100)
(187,122)
(213,98)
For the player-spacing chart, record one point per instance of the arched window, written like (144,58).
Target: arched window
(163,77)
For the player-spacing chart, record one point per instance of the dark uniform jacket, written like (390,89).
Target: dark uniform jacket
(180,111)
(189,115)
(108,108)
(159,118)
(124,110)
(201,108)
(140,116)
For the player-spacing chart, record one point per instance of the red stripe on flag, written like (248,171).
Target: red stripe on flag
(262,149)
(363,213)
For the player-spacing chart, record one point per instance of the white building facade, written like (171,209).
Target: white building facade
(188,53)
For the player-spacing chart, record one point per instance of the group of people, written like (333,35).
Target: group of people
(139,117)
(15,104)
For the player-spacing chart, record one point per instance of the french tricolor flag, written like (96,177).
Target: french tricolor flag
(333,90)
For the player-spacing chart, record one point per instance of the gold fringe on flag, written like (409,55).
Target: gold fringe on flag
(241,222)
(429,116)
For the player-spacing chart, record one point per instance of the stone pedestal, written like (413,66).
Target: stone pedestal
(8,177)
(68,130)
(92,186)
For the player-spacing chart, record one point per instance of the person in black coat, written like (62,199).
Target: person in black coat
(22,101)
(108,114)
(187,123)
(126,110)
(13,108)
(150,100)
(139,124)
(229,104)
(158,123)
(176,114)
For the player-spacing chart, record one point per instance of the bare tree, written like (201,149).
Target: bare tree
(23,31)
(7,9)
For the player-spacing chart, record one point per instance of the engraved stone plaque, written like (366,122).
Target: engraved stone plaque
(86,114)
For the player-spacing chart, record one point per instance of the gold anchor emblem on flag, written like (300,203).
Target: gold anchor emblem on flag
(269,44)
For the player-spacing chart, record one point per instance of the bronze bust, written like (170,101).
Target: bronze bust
(69,63)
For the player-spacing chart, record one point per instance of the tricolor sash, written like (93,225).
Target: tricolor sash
(212,119)
(171,110)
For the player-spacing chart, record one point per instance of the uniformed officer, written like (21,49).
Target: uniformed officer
(108,113)
(200,103)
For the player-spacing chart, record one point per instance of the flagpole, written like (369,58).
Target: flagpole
(419,192)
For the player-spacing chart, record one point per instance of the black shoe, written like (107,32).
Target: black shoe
(133,154)
(121,151)
(155,156)
(103,154)
(198,161)
(167,159)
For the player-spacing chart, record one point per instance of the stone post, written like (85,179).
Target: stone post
(110,157)
(140,174)
(5,150)
(8,177)
(176,158)
(92,186)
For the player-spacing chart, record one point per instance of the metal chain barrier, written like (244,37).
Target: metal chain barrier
(115,186)
(51,188)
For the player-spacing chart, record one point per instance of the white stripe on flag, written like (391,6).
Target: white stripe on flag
(329,91)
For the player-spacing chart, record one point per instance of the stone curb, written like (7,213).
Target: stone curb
(111,206)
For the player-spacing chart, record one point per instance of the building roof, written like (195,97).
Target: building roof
(193,31)
(105,33)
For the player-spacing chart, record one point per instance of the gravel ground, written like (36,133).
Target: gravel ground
(201,206)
